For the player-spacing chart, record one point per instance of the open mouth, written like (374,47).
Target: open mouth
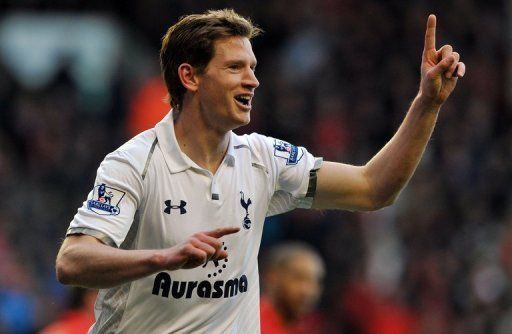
(244,99)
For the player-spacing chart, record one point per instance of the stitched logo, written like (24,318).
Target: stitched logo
(287,151)
(169,207)
(247,222)
(105,200)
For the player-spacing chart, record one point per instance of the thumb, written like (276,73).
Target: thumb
(443,66)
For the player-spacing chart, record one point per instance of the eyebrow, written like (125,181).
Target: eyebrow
(241,63)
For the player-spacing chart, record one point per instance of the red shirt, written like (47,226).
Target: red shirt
(273,323)
(71,322)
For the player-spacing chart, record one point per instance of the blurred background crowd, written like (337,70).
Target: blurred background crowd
(78,78)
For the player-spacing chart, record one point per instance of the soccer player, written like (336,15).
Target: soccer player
(292,283)
(183,195)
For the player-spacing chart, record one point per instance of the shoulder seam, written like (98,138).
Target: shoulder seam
(150,154)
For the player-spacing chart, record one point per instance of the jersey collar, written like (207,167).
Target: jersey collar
(176,160)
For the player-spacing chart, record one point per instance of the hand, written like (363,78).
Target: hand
(440,69)
(198,249)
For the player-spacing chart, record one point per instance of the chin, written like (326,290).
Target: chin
(241,120)
(247,119)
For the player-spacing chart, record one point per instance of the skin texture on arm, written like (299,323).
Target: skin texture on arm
(85,261)
(379,182)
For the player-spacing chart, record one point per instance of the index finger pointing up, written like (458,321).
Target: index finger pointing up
(430,34)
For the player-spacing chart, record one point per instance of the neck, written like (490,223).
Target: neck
(203,144)
(287,316)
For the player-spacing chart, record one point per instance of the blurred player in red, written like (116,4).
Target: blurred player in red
(78,318)
(292,285)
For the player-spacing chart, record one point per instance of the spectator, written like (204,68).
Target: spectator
(292,285)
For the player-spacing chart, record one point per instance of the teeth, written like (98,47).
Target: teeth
(243,98)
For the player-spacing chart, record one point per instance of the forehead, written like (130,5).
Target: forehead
(233,48)
(305,264)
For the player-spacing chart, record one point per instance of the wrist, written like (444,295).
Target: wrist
(427,103)
(157,260)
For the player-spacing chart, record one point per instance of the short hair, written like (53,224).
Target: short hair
(191,40)
(279,256)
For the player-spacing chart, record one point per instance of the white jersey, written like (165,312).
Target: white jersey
(149,195)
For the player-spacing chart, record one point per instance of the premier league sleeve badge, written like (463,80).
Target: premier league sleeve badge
(291,153)
(105,200)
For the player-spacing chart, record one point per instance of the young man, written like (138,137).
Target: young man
(188,192)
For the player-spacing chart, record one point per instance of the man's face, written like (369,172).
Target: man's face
(227,85)
(299,285)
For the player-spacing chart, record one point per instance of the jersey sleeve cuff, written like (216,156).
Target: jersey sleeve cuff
(307,201)
(93,233)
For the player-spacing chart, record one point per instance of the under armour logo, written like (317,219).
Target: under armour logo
(169,207)
(245,205)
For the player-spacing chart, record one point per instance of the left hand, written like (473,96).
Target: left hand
(440,69)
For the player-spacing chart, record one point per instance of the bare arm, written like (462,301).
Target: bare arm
(85,261)
(379,182)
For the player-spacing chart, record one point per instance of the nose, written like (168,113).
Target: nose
(250,80)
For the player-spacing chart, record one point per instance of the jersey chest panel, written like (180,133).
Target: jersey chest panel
(182,205)
(234,282)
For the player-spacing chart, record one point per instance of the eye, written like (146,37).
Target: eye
(234,67)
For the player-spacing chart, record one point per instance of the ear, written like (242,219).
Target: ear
(188,77)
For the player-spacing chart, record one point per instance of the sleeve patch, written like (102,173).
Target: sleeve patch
(287,151)
(105,200)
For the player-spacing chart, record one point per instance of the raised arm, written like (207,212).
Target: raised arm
(379,182)
(85,261)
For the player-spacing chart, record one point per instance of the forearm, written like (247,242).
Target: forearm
(85,261)
(95,265)
(379,182)
(392,167)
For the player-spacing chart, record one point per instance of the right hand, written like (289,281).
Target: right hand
(198,249)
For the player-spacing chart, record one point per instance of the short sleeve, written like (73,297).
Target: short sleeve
(110,207)
(294,173)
